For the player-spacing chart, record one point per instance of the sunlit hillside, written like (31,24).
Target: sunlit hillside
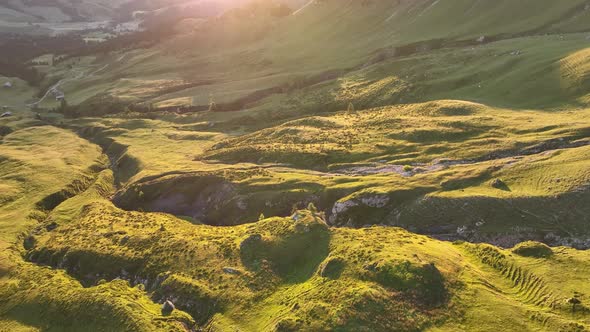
(251,52)
(267,165)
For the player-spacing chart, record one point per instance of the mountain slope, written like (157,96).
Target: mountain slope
(329,38)
(58,11)
(411,165)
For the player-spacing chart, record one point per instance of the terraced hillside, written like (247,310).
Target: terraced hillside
(334,166)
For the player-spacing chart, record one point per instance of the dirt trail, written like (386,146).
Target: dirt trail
(55,88)
(302,8)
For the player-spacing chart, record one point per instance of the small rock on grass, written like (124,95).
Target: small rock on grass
(167,308)
(498,184)
(230,270)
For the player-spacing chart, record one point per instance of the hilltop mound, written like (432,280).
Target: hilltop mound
(532,249)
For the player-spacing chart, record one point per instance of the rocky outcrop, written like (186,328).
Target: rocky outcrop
(202,197)
(498,184)
(342,210)
(167,308)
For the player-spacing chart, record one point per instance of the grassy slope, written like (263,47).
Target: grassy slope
(278,281)
(267,52)
(58,11)
(16,96)
(36,163)
(340,156)
(299,147)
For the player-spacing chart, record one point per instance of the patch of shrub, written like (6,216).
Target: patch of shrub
(4,130)
(250,246)
(532,249)
(29,242)
(423,281)
(293,252)
(332,268)
(190,295)
(288,325)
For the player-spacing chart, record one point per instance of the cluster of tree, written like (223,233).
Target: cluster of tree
(68,9)
(22,48)
(18,50)
(139,39)
(26,73)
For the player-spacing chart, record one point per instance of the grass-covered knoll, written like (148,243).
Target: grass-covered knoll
(36,165)
(433,166)
(42,299)
(295,273)
(402,134)
(532,249)
(542,72)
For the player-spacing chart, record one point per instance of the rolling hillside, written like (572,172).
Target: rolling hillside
(40,16)
(269,50)
(411,165)
(58,11)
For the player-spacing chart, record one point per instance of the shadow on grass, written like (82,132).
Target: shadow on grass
(294,257)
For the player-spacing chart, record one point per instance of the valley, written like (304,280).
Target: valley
(299,166)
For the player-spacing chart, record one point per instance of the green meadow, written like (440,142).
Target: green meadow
(348,166)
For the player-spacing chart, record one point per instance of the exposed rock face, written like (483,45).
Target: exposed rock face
(202,197)
(341,208)
(167,308)
(242,205)
(581,243)
(207,198)
(513,238)
(498,184)
(377,201)
(230,270)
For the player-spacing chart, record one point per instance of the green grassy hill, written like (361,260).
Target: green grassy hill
(40,167)
(346,166)
(55,17)
(63,16)
(267,53)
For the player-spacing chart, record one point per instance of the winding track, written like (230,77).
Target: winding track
(53,88)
